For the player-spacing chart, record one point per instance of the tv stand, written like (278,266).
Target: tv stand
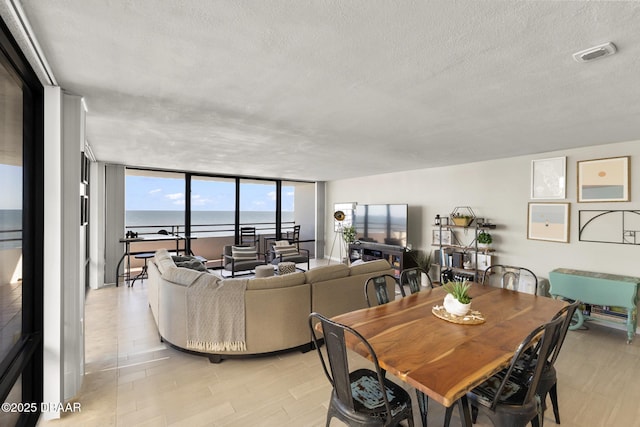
(398,257)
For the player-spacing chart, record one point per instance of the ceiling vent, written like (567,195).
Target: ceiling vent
(595,52)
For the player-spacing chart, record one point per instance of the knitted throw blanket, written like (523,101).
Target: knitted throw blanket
(216,316)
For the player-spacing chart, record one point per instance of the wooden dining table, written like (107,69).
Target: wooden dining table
(445,360)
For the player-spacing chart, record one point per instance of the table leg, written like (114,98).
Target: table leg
(423,404)
(118,268)
(465,414)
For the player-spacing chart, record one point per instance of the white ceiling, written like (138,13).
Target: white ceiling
(321,90)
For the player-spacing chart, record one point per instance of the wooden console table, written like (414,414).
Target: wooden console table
(598,288)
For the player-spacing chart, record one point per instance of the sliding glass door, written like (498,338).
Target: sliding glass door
(21,205)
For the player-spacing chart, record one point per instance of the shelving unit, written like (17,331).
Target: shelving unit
(458,244)
(398,257)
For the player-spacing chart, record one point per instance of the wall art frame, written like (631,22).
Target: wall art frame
(548,221)
(548,178)
(604,180)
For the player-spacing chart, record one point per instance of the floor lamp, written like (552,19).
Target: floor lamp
(338,216)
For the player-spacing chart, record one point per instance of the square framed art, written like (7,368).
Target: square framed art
(548,178)
(604,180)
(548,221)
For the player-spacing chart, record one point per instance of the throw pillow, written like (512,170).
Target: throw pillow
(192,264)
(285,250)
(243,253)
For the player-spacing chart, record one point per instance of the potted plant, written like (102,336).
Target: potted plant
(484,240)
(461,219)
(457,301)
(349,234)
(423,261)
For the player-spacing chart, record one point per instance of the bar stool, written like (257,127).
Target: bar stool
(143,274)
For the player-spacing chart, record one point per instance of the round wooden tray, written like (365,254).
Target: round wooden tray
(471,318)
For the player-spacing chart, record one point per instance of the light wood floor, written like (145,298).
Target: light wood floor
(132,379)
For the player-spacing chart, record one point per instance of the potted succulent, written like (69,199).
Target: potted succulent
(457,301)
(484,240)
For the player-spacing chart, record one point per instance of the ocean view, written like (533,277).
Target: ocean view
(204,223)
(10,221)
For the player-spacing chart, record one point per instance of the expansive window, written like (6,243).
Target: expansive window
(211,210)
(155,202)
(21,228)
(213,206)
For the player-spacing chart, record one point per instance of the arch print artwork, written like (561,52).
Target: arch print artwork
(609,226)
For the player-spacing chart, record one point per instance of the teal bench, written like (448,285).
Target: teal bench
(600,289)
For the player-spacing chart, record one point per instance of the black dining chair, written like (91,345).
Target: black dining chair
(549,379)
(294,236)
(412,277)
(379,284)
(511,277)
(363,397)
(509,398)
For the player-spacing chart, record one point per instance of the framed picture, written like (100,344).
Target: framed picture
(548,221)
(604,180)
(446,237)
(548,178)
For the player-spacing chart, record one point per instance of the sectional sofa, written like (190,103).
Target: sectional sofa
(201,313)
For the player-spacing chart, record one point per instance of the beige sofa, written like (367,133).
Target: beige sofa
(276,309)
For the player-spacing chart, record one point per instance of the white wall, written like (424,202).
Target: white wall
(500,191)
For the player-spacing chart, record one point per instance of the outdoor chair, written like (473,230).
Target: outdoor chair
(511,277)
(363,397)
(240,259)
(508,398)
(283,251)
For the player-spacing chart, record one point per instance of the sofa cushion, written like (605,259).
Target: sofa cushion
(327,272)
(293,279)
(370,267)
(285,250)
(184,276)
(243,253)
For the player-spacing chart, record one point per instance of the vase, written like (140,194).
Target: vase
(424,280)
(455,307)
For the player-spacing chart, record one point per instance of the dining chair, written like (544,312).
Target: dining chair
(379,284)
(248,236)
(363,397)
(511,277)
(294,236)
(549,379)
(412,277)
(508,398)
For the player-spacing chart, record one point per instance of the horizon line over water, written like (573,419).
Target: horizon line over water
(203,222)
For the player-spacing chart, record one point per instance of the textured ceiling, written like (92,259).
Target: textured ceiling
(321,90)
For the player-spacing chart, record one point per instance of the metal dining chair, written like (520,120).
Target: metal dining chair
(512,277)
(363,397)
(549,379)
(412,277)
(509,398)
(379,285)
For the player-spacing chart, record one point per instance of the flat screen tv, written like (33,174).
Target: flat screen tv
(386,224)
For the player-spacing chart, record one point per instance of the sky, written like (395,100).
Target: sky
(10,187)
(154,193)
